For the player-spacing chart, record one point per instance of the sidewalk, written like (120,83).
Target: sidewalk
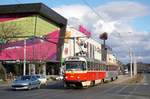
(5,83)
(121,79)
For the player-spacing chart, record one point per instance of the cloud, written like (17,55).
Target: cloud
(122,10)
(69,11)
(115,18)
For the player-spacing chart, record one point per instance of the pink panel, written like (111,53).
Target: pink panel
(36,49)
(84,31)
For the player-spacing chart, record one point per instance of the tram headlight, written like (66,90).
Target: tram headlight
(66,77)
(78,77)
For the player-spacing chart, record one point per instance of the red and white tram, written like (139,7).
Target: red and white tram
(81,72)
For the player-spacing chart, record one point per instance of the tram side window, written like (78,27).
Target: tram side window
(84,65)
(101,67)
(88,65)
(97,66)
(106,68)
(94,66)
(91,65)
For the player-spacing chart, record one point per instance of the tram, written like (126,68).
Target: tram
(82,72)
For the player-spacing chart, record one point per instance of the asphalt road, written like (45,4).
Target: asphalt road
(55,90)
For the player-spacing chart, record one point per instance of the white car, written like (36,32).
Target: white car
(59,78)
(42,79)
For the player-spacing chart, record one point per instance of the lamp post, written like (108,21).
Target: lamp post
(104,37)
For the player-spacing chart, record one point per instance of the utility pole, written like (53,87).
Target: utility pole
(24,63)
(131,62)
(135,66)
(130,54)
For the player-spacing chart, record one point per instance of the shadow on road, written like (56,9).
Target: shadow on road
(54,85)
(59,85)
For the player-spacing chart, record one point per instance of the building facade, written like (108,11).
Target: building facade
(79,43)
(33,35)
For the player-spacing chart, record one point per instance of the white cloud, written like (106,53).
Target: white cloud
(114,17)
(124,10)
(69,11)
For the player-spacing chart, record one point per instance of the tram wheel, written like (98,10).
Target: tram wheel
(66,85)
(112,79)
(92,83)
(79,85)
(117,77)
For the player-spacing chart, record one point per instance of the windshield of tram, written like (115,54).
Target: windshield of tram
(75,65)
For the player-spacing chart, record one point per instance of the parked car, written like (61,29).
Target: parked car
(42,79)
(26,82)
(60,77)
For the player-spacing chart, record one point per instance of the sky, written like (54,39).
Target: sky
(127,22)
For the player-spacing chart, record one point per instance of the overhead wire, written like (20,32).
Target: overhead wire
(92,9)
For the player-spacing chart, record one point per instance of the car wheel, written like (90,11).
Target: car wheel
(46,83)
(29,88)
(13,89)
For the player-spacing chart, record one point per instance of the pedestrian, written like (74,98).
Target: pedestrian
(11,76)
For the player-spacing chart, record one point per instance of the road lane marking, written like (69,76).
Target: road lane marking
(110,89)
(120,90)
(131,92)
(145,83)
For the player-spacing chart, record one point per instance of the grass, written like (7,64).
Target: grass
(135,79)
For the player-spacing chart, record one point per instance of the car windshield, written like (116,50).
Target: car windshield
(25,78)
(38,76)
(75,65)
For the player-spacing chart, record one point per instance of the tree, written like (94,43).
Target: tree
(8,30)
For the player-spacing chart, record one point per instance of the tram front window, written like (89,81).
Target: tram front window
(75,65)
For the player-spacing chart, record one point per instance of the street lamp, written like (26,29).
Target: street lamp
(104,37)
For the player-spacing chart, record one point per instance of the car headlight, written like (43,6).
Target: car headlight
(13,83)
(27,84)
